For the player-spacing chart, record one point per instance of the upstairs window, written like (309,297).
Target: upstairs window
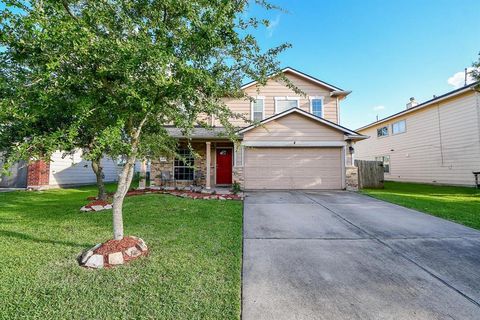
(258,110)
(385,160)
(183,165)
(285,103)
(382,132)
(399,127)
(316,106)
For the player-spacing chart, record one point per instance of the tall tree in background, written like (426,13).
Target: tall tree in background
(476,72)
(125,69)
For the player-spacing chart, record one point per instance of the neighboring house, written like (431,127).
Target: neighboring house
(437,141)
(65,170)
(298,143)
(16,177)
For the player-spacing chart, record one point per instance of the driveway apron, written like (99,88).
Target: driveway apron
(341,255)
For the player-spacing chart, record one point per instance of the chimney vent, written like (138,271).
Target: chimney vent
(412,103)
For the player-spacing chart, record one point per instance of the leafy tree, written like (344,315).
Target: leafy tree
(122,70)
(476,71)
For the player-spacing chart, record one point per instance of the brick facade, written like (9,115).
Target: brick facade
(38,175)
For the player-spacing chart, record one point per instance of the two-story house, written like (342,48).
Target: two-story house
(296,144)
(437,141)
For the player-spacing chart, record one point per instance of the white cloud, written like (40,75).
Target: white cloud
(272,26)
(378,108)
(458,79)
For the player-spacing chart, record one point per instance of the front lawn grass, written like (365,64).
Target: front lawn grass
(459,204)
(193,270)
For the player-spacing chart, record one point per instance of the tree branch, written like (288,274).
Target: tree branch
(67,8)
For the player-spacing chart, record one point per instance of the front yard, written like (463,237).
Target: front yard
(458,204)
(193,270)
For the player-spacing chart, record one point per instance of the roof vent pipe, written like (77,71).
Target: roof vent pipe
(412,103)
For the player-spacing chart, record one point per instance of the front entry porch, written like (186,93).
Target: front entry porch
(210,165)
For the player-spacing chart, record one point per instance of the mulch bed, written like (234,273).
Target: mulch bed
(113,253)
(112,246)
(102,203)
(183,194)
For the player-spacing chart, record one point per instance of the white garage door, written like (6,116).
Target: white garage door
(293,168)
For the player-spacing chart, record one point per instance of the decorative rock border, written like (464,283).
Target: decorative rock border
(97,205)
(113,253)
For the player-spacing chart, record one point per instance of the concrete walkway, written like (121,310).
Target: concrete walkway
(341,255)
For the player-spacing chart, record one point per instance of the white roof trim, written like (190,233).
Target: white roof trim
(300,74)
(307,114)
(420,106)
(298,144)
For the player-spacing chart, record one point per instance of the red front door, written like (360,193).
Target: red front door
(224,166)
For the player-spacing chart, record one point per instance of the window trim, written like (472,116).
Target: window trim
(321,98)
(403,120)
(240,149)
(286,98)
(190,167)
(383,163)
(252,104)
(388,131)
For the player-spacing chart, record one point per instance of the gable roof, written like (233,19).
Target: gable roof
(350,133)
(427,103)
(302,75)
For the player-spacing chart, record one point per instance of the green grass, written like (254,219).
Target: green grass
(193,270)
(459,204)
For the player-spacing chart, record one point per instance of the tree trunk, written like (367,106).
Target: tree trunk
(98,169)
(124,182)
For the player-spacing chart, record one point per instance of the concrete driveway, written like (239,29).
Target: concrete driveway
(341,255)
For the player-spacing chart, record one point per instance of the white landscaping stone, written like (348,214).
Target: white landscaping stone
(97,208)
(115,258)
(86,255)
(142,246)
(108,206)
(95,261)
(85,209)
(221,198)
(132,252)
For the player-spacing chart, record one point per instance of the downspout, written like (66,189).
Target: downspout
(338,111)
(478,114)
(440,133)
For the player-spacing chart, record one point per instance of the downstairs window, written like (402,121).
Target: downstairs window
(183,165)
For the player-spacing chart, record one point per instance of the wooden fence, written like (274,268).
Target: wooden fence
(370,174)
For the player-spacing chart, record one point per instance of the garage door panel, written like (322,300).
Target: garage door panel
(293,168)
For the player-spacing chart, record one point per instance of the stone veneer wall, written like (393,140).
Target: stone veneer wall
(238,176)
(351,178)
(200,164)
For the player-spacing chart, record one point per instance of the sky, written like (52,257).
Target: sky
(383,51)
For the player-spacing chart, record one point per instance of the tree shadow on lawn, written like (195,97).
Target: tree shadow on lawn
(23,236)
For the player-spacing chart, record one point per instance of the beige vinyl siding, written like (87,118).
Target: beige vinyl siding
(293,168)
(441,143)
(73,170)
(274,88)
(293,127)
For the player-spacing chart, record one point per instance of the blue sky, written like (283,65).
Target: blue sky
(384,51)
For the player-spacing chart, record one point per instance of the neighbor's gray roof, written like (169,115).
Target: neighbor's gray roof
(199,133)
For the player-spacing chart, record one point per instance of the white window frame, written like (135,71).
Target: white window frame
(388,131)
(404,120)
(175,159)
(252,103)
(383,163)
(311,98)
(238,155)
(286,99)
